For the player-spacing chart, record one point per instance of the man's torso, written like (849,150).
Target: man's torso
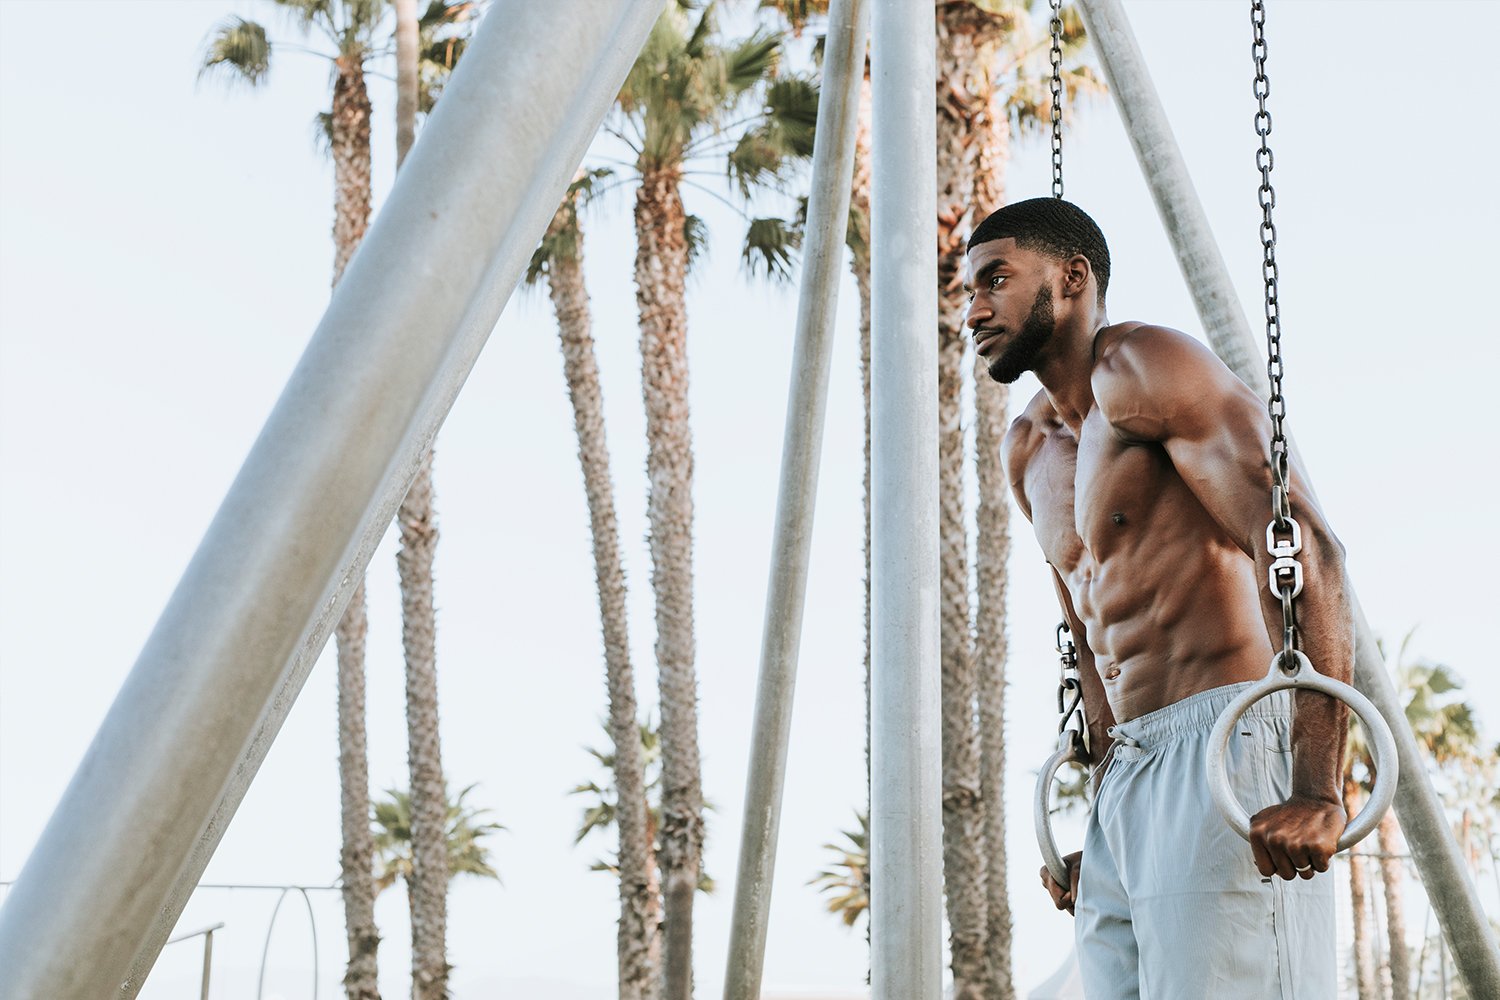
(1168,600)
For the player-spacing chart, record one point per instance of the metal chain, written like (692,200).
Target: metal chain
(1069,687)
(1057,26)
(1285,575)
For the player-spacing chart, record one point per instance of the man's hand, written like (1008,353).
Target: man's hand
(1297,837)
(1064,897)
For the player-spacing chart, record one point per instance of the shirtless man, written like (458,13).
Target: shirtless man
(1144,467)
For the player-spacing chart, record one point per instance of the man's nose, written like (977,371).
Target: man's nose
(978,312)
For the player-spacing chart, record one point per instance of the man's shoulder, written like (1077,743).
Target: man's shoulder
(1144,373)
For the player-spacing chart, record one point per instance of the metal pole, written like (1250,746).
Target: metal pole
(217,677)
(906,797)
(1434,850)
(781,635)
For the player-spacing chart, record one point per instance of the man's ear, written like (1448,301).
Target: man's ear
(1076,271)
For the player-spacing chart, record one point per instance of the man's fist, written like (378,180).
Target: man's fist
(1297,837)
(1064,896)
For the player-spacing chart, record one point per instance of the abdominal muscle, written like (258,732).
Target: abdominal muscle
(1169,603)
(1167,628)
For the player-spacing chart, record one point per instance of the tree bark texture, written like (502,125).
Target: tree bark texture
(1365,984)
(990,127)
(427,888)
(660,275)
(357,851)
(1391,877)
(349,141)
(406,77)
(965,868)
(859,264)
(350,147)
(639,906)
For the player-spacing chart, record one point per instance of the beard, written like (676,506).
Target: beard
(1022,353)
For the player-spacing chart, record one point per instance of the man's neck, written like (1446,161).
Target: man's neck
(1066,373)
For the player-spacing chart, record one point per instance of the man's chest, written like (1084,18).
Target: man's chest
(1091,492)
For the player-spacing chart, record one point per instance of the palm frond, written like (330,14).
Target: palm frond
(695,232)
(322,133)
(307,13)
(237,51)
(769,247)
(753,59)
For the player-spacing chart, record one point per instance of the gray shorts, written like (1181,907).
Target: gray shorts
(1170,906)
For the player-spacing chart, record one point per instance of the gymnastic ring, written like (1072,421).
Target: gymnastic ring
(1305,678)
(1069,751)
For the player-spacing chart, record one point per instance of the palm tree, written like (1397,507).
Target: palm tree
(847,878)
(241,50)
(678,105)
(559,259)
(427,49)
(391,831)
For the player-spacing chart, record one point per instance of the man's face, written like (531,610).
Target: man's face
(1010,306)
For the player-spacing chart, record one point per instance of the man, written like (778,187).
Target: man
(1144,467)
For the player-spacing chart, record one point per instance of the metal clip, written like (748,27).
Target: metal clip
(1275,576)
(1279,548)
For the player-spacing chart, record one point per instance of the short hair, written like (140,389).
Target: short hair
(1051,226)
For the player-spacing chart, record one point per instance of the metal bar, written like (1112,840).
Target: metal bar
(219,673)
(906,797)
(208,963)
(200,931)
(802,445)
(1434,849)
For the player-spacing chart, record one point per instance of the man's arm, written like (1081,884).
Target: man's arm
(1159,385)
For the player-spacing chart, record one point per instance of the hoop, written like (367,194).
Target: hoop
(1305,678)
(1069,751)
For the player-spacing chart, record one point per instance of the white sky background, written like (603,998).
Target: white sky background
(165,253)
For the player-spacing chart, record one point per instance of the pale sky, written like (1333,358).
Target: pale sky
(165,254)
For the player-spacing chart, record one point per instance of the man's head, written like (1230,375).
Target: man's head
(1028,262)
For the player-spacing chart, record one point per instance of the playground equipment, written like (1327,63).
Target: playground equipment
(148,805)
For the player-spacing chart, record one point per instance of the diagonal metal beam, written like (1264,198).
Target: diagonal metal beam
(802,445)
(1436,853)
(194,719)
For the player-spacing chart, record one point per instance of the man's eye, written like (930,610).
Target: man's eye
(995,280)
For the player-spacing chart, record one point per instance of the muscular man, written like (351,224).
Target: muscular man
(1144,467)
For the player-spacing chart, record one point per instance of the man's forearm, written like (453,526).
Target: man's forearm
(1325,628)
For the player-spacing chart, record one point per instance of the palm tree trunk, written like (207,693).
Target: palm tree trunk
(991,131)
(406,77)
(639,906)
(1391,874)
(350,146)
(964,852)
(1364,961)
(357,852)
(660,275)
(859,264)
(427,888)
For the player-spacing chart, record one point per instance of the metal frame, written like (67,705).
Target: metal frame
(193,721)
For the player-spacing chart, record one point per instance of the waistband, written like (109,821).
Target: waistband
(1198,712)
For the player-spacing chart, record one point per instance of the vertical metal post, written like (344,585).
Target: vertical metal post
(1434,849)
(906,797)
(208,964)
(213,684)
(781,635)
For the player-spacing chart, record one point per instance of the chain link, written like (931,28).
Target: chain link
(1069,686)
(1056,56)
(1285,576)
